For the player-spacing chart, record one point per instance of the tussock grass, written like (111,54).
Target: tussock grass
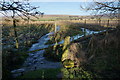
(103,55)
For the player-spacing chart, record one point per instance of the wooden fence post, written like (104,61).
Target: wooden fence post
(100,22)
(55,26)
(85,23)
(108,23)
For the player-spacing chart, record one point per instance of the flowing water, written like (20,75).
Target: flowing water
(37,61)
(85,33)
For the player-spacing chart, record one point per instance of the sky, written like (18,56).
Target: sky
(60,0)
(61,8)
(66,0)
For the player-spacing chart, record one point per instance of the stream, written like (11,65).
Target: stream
(37,61)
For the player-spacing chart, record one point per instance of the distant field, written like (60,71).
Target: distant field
(106,22)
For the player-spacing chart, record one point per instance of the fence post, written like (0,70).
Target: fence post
(55,26)
(108,23)
(85,23)
(100,22)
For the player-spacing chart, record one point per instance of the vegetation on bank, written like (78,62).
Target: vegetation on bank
(101,54)
(66,29)
(27,35)
(98,55)
(41,74)
(58,73)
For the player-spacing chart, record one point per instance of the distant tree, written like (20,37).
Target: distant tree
(92,17)
(109,8)
(23,9)
(98,17)
(42,14)
(81,18)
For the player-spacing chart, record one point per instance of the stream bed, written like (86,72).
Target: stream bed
(37,61)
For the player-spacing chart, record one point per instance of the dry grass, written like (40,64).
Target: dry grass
(103,54)
(60,19)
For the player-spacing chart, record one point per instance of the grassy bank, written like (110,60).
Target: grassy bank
(59,73)
(41,74)
(66,29)
(103,55)
(101,52)
(27,35)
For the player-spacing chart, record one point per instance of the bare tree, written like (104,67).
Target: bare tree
(109,8)
(23,9)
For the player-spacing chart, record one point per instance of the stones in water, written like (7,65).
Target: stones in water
(29,64)
(18,72)
(41,62)
(36,60)
(31,55)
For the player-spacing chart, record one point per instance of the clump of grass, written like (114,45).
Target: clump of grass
(105,50)
(12,59)
(54,53)
(66,29)
(41,74)
(76,73)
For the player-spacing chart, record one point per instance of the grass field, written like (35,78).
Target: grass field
(105,21)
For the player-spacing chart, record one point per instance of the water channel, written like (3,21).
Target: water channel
(37,61)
